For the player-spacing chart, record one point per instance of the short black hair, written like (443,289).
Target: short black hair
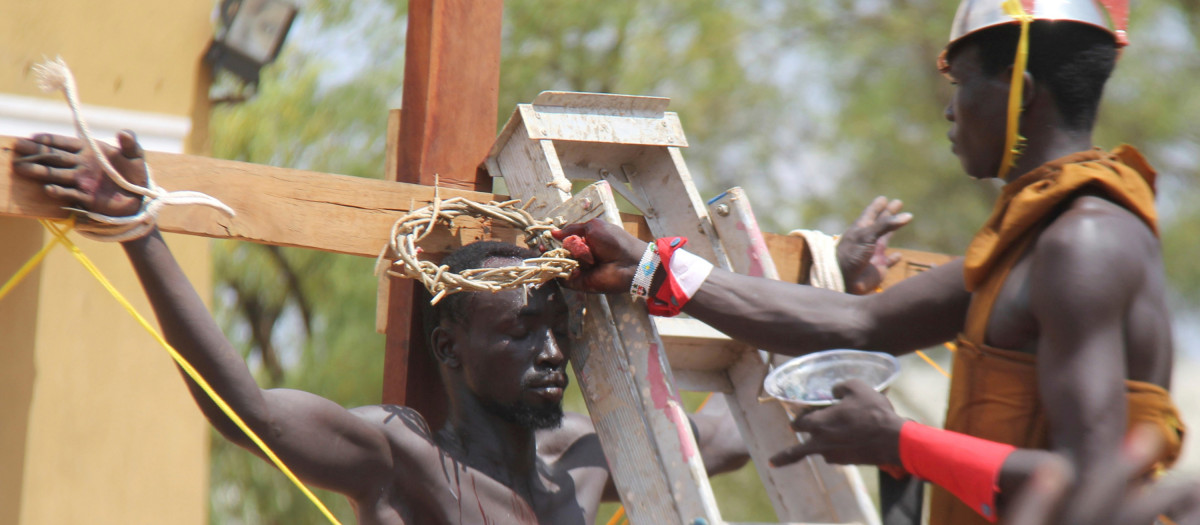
(453,307)
(1073,60)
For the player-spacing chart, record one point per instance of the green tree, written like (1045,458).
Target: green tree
(814,107)
(303,319)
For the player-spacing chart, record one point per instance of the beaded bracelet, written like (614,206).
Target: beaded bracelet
(644,275)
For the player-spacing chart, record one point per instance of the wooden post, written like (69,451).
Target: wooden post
(451,83)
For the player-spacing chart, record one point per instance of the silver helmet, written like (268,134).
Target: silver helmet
(976,15)
(1109,15)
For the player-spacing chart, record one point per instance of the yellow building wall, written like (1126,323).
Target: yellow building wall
(133,54)
(96,425)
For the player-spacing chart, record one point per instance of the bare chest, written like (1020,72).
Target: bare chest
(1012,325)
(449,492)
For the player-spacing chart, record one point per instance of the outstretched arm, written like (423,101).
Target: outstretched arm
(795,319)
(319,440)
(789,318)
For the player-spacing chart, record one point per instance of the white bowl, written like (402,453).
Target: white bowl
(807,381)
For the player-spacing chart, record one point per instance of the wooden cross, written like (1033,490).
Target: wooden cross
(446,128)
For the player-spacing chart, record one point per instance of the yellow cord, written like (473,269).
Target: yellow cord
(27,267)
(616,517)
(932,363)
(1013,142)
(59,230)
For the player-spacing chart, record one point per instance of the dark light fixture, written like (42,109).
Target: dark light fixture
(250,36)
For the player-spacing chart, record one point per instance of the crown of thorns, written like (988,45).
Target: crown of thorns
(555,261)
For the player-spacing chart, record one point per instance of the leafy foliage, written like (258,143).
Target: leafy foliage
(814,107)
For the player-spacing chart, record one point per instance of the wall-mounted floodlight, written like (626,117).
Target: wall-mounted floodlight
(250,36)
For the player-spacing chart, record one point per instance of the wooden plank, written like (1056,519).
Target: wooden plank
(699,355)
(532,171)
(306,209)
(602,128)
(279,206)
(451,88)
(603,103)
(675,207)
(391,167)
(805,491)
(693,345)
(336,213)
(688,380)
(912,263)
(791,256)
(450,105)
(605,370)
(620,368)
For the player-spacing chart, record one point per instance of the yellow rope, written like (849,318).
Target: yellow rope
(932,363)
(616,517)
(1013,142)
(59,230)
(27,267)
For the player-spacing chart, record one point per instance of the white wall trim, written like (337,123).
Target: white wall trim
(23,116)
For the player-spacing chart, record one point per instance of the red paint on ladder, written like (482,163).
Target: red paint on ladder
(757,247)
(669,402)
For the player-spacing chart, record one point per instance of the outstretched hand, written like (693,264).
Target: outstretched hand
(862,251)
(74,179)
(615,255)
(861,429)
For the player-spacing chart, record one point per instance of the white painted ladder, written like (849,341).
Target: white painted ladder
(631,366)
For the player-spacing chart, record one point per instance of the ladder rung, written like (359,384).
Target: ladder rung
(699,354)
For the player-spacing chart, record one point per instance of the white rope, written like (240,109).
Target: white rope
(56,76)
(825,272)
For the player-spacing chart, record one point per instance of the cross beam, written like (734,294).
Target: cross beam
(323,211)
(340,213)
(277,206)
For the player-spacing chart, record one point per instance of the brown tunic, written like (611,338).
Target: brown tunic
(993,391)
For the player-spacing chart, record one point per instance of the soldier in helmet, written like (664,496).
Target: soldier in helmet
(1058,308)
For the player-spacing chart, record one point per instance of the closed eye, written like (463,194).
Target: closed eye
(561,332)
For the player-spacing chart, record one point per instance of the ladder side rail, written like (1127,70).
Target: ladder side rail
(655,464)
(809,490)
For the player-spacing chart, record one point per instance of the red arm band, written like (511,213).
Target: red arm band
(966,466)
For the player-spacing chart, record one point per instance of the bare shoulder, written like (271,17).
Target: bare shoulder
(404,427)
(1094,250)
(575,427)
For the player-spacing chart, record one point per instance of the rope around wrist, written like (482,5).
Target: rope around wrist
(56,76)
(440,281)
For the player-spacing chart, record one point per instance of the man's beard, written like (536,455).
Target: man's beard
(527,416)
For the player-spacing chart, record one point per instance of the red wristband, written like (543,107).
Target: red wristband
(967,467)
(669,300)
